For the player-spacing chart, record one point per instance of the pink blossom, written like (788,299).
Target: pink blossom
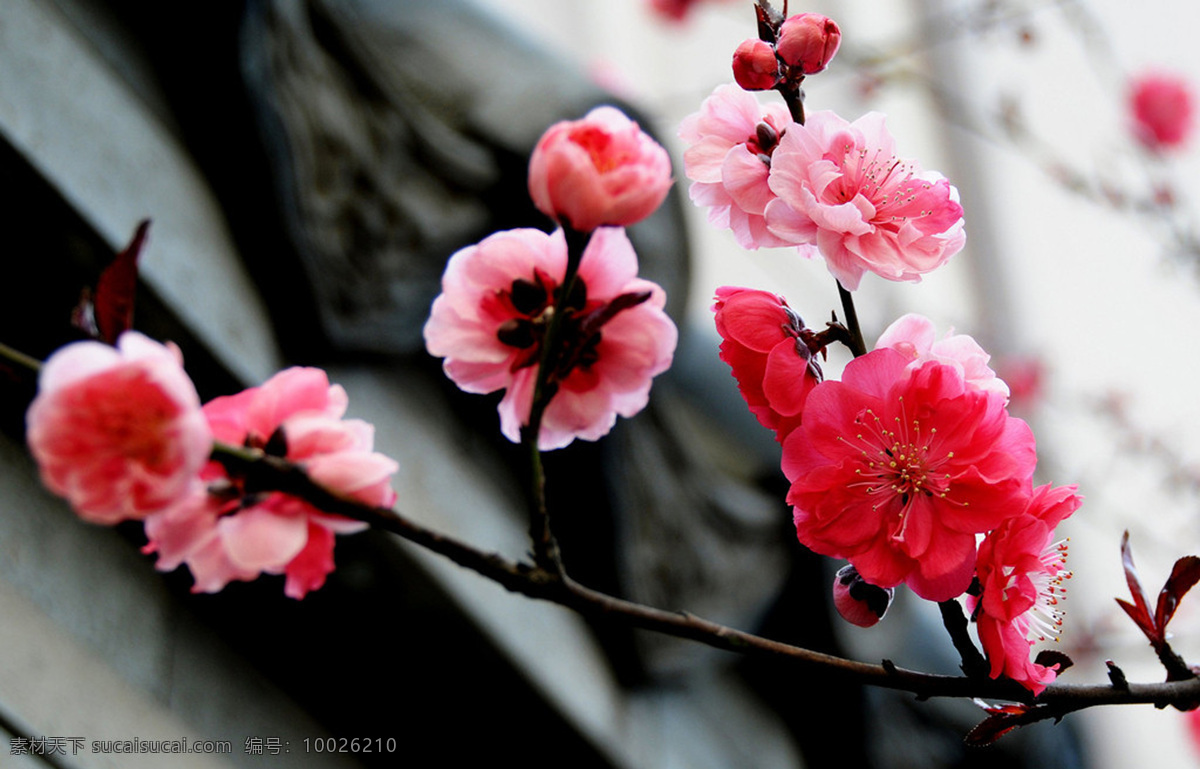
(224,532)
(1161,106)
(808,42)
(761,342)
(914,337)
(490,321)
(897,469)
(731,144)
(755,67)
(117,431)
(600,170)
(1021,570)
(841,187)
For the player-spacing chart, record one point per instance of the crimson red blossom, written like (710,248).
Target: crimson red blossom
(1021,569)
(490,321)
(840,187)
(897,469)
(731,141)
(1162,108)
(761,342)
(599,170)
(224,532)
(117,431)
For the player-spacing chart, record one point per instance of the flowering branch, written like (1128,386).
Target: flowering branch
(266,472)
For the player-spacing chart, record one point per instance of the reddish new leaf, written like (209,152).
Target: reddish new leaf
(115,292)
(1049,657)
(1001,720)
(1184,575)
(1139,610)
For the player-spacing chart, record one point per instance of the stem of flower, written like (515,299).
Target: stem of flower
(20,358)
(973,663)
(793,96)
(545,548)
(856,344)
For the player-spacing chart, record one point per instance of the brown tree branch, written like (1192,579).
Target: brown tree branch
(263,471)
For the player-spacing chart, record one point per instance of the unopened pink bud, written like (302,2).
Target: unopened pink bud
(755,67)
(858,601)
(808,41)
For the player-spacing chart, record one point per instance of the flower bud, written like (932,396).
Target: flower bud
(858,601)
(808,41)
(755,67)
(599,170)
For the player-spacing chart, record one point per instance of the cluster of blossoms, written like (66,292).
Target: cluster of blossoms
(901,465)
(519,306)
(821,184)
(120,433)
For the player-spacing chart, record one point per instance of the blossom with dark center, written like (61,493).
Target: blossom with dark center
(492,319)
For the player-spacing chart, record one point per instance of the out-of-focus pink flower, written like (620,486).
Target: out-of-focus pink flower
(1025,375)
(858,601)
(1021,570)
(675,10)
(600,170)
(761,342)
(915,337)
(490,321)
(808,41)
(731,144)
(224,532)
(117,431)
(897,469)
(755,67)
(1162,107)
(841,187)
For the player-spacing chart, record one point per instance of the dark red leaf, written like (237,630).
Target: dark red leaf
(1142,619)
(1184,575)
(1139,612)
(115,292)
(1002,720)
(1048,657)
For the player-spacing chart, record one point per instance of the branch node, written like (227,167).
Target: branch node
(1117,676)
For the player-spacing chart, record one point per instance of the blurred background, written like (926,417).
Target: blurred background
(309,165)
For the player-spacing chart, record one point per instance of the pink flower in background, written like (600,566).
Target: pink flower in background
(224,532)
(914,337)
(490,321)
(675,10)
(841,187)
(1162,109)
(1021,569)
(117,431)
(600,170)
(808,42)
(731,142)
(897,469)
(761,342)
